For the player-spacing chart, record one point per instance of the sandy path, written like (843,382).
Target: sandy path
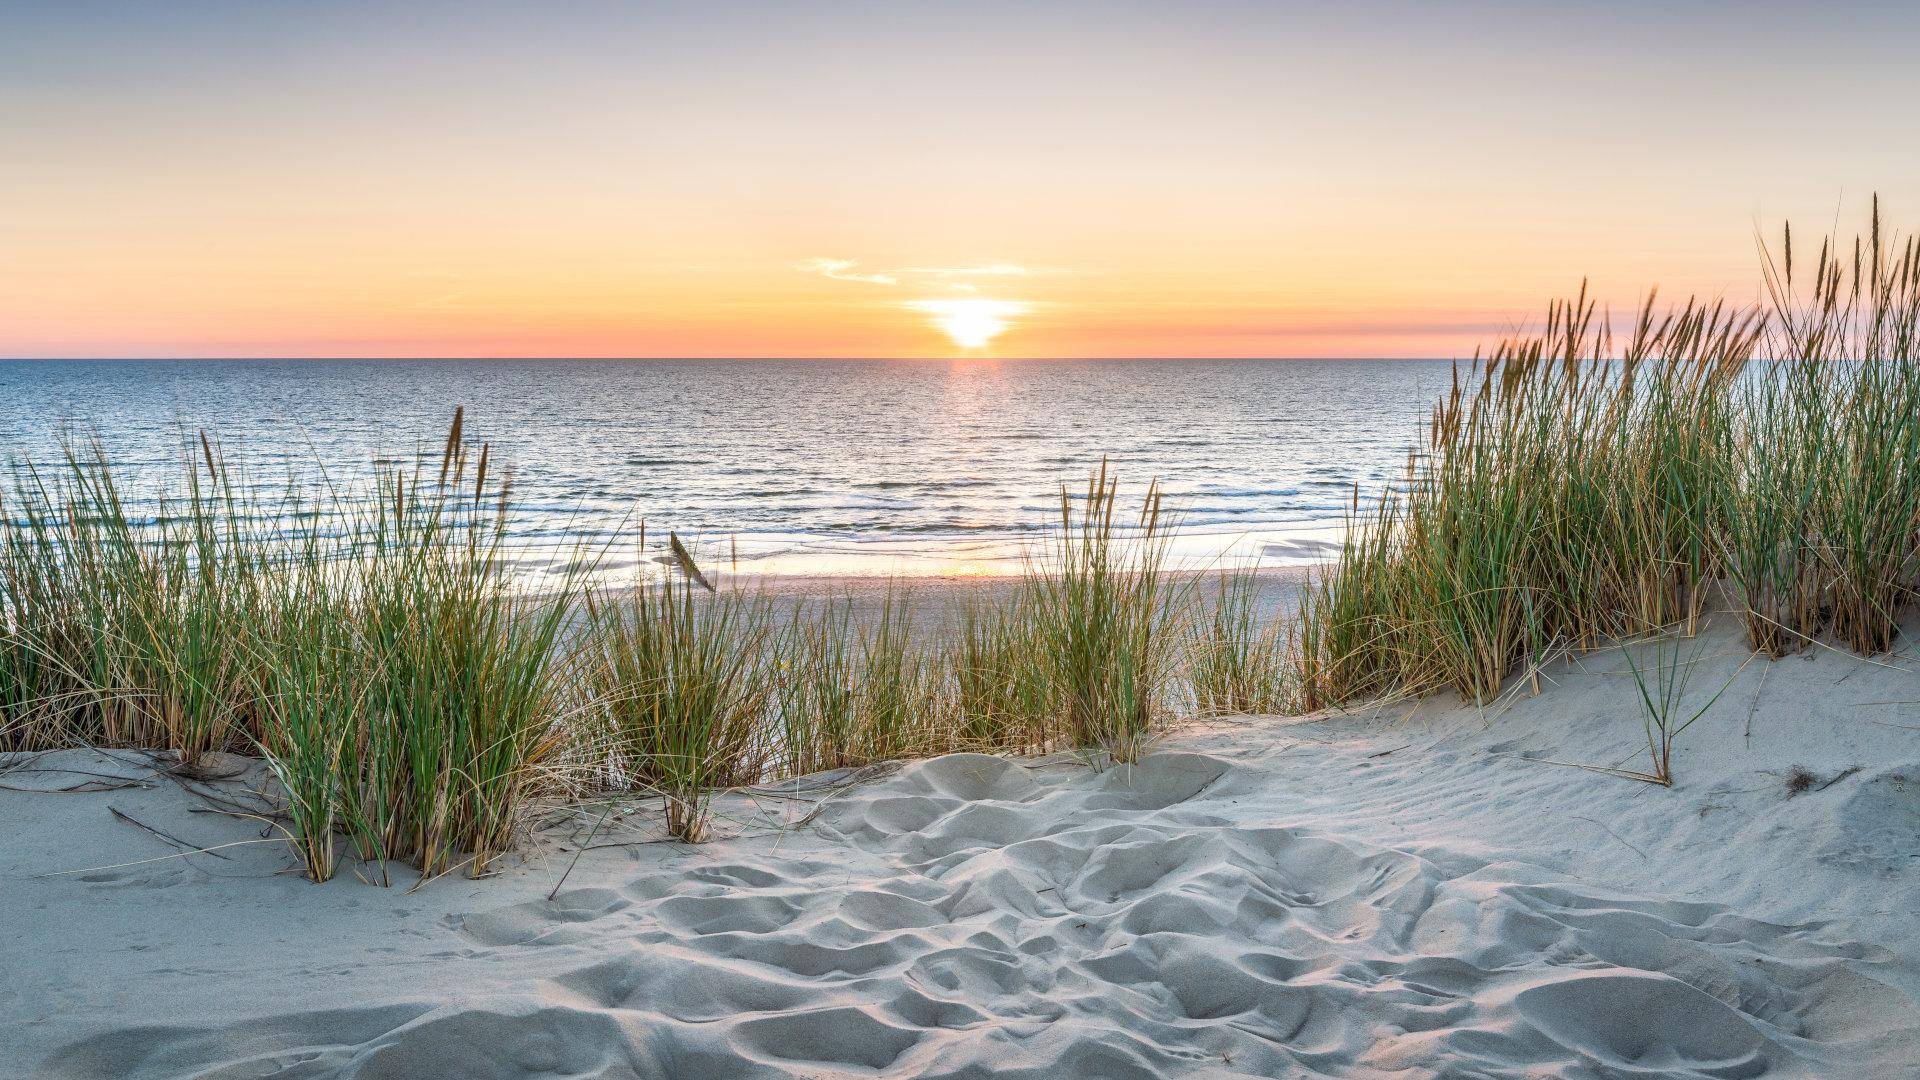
(1359,896)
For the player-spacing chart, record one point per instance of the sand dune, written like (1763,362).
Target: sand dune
(1375,895)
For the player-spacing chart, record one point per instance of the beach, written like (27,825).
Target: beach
(1414,889)
(1066,541)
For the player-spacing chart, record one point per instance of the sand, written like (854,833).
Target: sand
(1403,892)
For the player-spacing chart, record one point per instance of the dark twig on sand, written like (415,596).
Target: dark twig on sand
(1839,776)
(84,787)
(168,837)
(577,851)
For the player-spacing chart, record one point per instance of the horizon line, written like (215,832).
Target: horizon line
(723,359)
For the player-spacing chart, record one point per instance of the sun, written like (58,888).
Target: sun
(972,323)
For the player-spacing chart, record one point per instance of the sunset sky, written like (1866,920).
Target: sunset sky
(909,179)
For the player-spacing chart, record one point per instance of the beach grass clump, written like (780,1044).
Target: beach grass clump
(314,687)
(1107,617)
(1084,652)
(818,702)
(123,630)
(204,612)
(1001,697)
(682,682)
(43,695)
(1872,509)
(468,667)
(1770,504)
(1850,343)
(369,644)
(1576,488)
(855,687)
(1567,494)
(899,684)
(1348,630)
(411,690)
(1240,662)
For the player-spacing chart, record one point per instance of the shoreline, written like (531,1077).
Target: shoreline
(808,561)
(944,586)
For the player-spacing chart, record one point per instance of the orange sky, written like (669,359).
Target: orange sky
(229,179)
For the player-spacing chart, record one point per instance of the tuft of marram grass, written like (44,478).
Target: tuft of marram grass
(469,668)
(1666,711)
(681,684)
(1002,694)
(370,645)
(1107,616)
(120,631)
(856,688)
(1575,490)
(1240,662)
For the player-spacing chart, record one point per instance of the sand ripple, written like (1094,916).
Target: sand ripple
(974,917)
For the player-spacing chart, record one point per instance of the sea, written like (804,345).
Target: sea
(883,468)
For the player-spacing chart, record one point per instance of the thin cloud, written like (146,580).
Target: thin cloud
(849,270)
(842,270)
(989,270)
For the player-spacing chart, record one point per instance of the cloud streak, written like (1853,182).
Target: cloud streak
(842,270)
(849,270)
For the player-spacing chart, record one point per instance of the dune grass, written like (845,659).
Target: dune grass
(829,716)
(369,645)
(468,668)
(1666,712)
(1003,693)
(1575,489)
(1106,617)
(412,698)
(1241,661)
(679,680)
(1559,501)
(124,631)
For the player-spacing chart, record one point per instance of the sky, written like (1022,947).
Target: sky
(249,178)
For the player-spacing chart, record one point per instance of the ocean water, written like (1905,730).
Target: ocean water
(872,467)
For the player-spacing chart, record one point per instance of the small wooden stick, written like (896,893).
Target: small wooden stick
(174,840)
